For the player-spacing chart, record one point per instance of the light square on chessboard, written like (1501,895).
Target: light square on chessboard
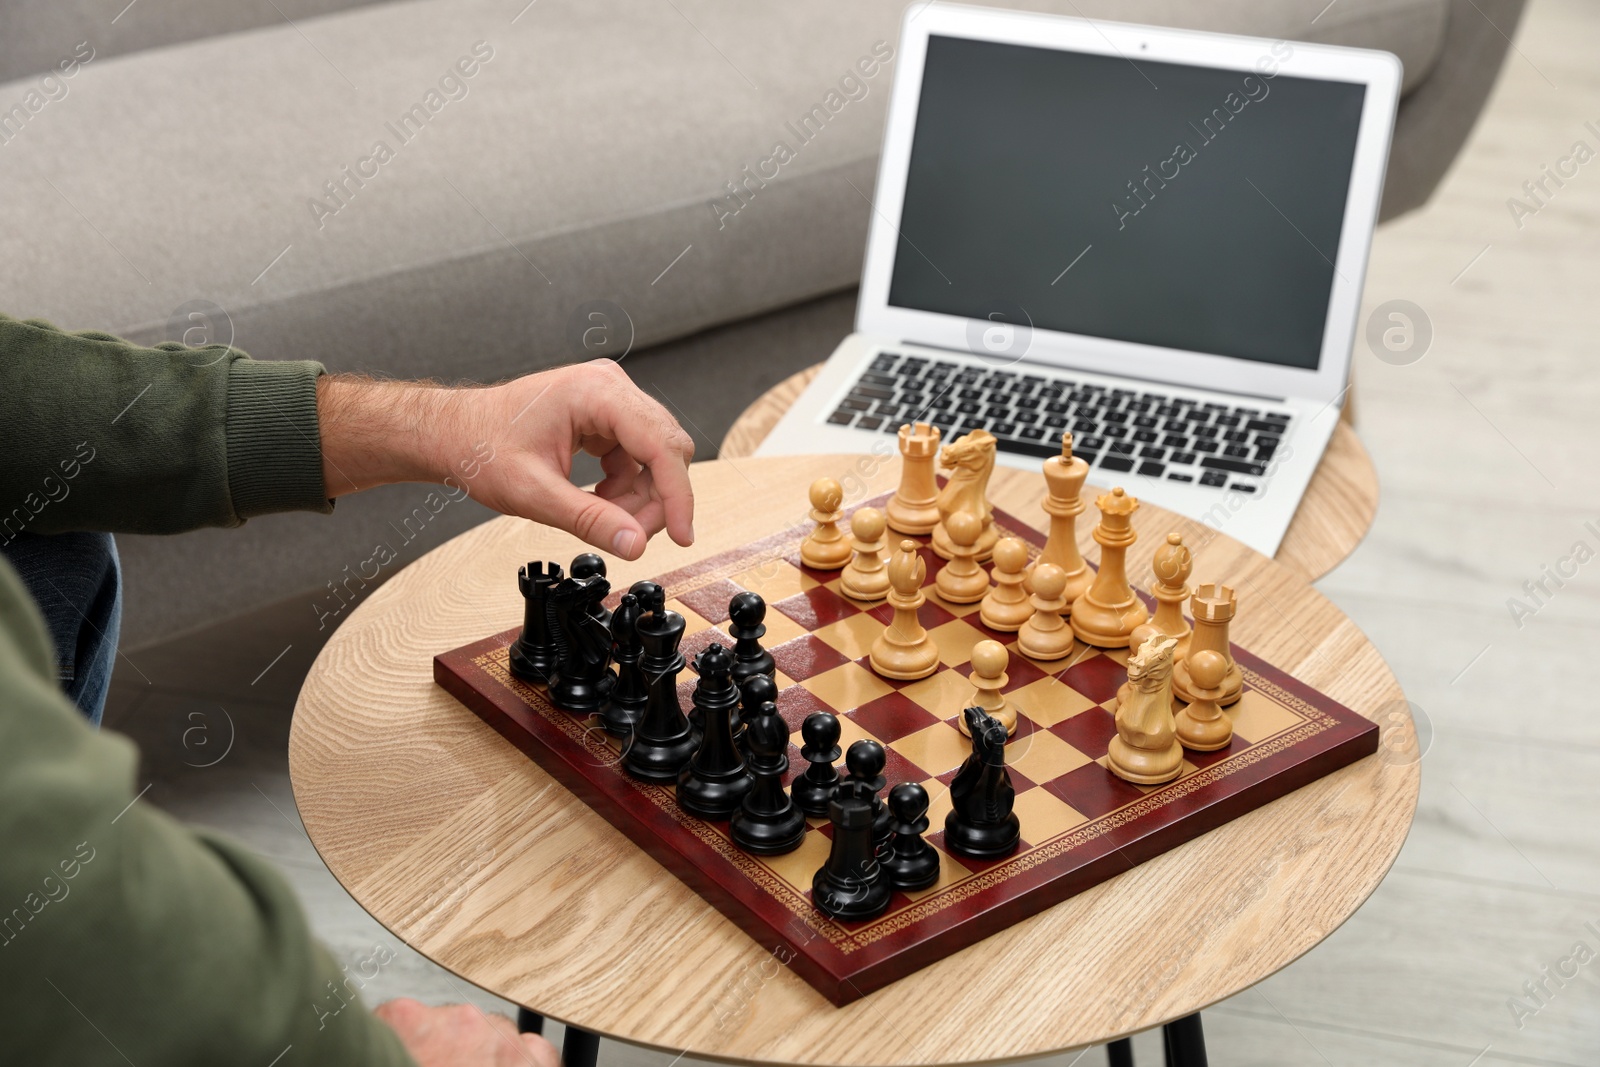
(693,621)
(797,868)
(960,611)
(847,686)
(944,692)
(780,628)
(955,640)
(1041,756)
(1050,700)
(852,636)
(937,748)
(1257,717)
(774,579)
(1045,816)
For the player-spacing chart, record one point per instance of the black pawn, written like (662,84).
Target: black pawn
(632,692)
(865,762)
(754,691)
(767,823)
(812,790)
(981,823)
(716,780)
(590,565)
(662,743)
(745,614)
(850,885)
(911,863)
(533,657)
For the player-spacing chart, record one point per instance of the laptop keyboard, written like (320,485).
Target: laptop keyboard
(1117,430)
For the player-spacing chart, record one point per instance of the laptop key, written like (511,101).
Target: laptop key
(841,417)
(1216,478)
(1153,452)
(869,422)
(1178,476)
(851,403)
(1236,452)
(1183,457)
(1175,440)
(1116,463)
(1242,487)
(1151,469)
(872,392)
(1144,436)
(1236,466)
(1038,449)
(1206,446)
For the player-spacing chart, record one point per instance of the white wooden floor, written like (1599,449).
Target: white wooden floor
(1484,447)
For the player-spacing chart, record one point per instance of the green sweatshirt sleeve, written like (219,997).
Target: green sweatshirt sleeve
(126,938)
(101,434)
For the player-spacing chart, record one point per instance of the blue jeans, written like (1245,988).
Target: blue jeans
(76,579)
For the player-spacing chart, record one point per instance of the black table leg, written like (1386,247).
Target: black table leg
(1186,1042)
(580,1048)
(1120,1053)
(529,1022)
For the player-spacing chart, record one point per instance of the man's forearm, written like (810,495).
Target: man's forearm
(380,432)
(106,435)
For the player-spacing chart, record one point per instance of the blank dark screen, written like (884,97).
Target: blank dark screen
(1186,207)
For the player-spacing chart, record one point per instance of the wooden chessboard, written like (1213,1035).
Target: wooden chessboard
(1080,823)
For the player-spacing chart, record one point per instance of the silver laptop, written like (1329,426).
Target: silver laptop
(1153,238)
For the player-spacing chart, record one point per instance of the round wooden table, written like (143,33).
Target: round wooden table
(1336,513)
(470,853)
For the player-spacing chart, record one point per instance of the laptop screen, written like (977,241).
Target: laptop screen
(1187,207)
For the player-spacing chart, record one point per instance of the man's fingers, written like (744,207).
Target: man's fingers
(653,438)
(596,520)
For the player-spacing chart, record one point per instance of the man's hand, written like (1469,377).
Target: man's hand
(511,447)
(460,1035)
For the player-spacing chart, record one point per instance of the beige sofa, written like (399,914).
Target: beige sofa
(212,171)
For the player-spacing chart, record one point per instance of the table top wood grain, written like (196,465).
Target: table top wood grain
(1335,514)
(470,853)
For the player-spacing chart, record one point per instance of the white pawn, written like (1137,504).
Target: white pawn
(1045,636)
(962,580)
(1006,606)
(989,662)
(825,548)
(866,577)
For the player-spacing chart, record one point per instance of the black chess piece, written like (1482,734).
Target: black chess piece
(632,691)
(754,691)
(864,763)
(534,655)
(910,863)
(716,780)
(745,614)
(590,565)
(662,743)
(851,885)
(767,822)
(981,823)
(583,678)
(813,789)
